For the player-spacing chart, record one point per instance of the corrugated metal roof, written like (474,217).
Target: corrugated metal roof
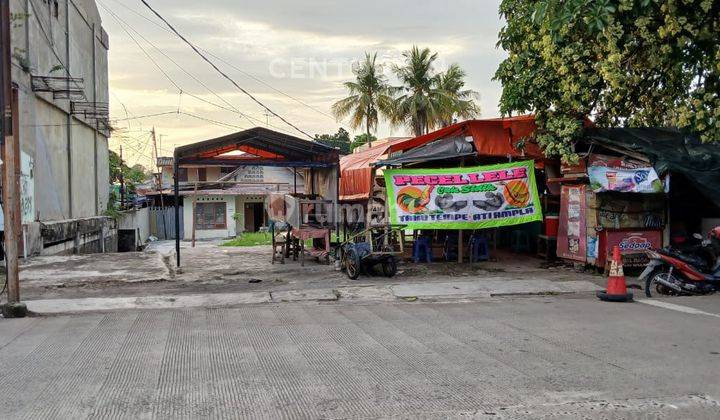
(266,147)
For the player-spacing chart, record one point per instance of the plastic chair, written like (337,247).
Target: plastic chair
(520,241)
(479,249)
(422,249)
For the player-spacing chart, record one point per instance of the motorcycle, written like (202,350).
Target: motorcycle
(692,272)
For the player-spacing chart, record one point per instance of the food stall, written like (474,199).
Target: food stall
(615,201)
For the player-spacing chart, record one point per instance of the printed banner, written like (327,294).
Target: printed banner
(572,233)
(463,198)
(641,180)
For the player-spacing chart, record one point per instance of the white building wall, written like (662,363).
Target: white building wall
(188,218)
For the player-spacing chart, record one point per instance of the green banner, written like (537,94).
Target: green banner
(463,198)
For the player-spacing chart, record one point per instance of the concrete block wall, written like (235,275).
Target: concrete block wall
(69,154)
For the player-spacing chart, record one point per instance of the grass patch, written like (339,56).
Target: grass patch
(250,239)
(258,238)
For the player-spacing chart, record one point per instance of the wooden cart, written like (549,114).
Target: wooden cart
(377,246)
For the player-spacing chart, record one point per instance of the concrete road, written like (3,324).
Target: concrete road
(497,358)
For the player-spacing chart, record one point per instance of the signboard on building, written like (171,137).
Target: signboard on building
(572,235)
(608,173)
(463,198)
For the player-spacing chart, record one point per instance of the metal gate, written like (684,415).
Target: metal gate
(162,222)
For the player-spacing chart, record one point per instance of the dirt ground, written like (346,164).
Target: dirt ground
(209,268)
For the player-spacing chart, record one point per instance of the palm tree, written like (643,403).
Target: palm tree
(456,100)
(428,100)
(419,104)
(369,95)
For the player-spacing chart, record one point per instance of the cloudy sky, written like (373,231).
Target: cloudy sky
(292,55)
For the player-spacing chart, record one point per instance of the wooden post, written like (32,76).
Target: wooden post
(460,246)
(194,206)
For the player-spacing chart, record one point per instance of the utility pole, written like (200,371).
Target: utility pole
(155,148)
(267,118)
(11,172)
(122,181)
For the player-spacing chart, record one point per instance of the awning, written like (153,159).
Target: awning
(492,137)
(448,148)
(669,150)
(356,171)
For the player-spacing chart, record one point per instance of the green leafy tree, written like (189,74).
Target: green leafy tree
(369,96)
(622,63)
(339,140)
(131,176)
(361,140)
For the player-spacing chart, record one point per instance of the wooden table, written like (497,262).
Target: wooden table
(303,234)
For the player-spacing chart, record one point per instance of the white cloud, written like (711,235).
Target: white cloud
(314,40)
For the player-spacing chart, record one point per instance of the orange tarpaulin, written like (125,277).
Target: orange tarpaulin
(494,137)
(356,173)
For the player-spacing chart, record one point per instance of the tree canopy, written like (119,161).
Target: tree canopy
(427,99)
(621,63)
(369,96)
(424,99)
(339,140)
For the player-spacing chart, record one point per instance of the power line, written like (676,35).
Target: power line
(144,116)
(194,48)
(152,60)
(122,22)
(219,123)
(229,64)
(231,107)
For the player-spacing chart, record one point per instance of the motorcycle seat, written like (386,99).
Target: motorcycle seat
(694,260)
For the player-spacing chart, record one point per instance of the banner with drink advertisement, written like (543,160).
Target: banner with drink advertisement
(639,180)
(463,198)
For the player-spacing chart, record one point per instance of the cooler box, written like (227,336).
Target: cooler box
(552,224)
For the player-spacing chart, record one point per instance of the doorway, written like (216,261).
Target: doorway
(254,216)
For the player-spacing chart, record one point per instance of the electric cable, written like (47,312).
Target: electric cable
(229,64)
(217,69)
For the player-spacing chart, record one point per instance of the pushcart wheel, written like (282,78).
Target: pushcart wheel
(352,264)
(389,267)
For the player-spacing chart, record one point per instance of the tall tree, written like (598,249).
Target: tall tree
(369,96)
(428,99)
(626,62)
(456,101)
(419,104)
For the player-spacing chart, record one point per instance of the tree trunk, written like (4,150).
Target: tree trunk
(367,131)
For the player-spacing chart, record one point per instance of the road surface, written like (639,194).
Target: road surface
(497,358)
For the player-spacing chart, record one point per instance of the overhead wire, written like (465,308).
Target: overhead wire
(230,107)
(223,74)
(229,64)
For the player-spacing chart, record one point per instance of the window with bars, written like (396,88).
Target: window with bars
(210,216)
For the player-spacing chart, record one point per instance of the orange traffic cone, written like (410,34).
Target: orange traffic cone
(616,288)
